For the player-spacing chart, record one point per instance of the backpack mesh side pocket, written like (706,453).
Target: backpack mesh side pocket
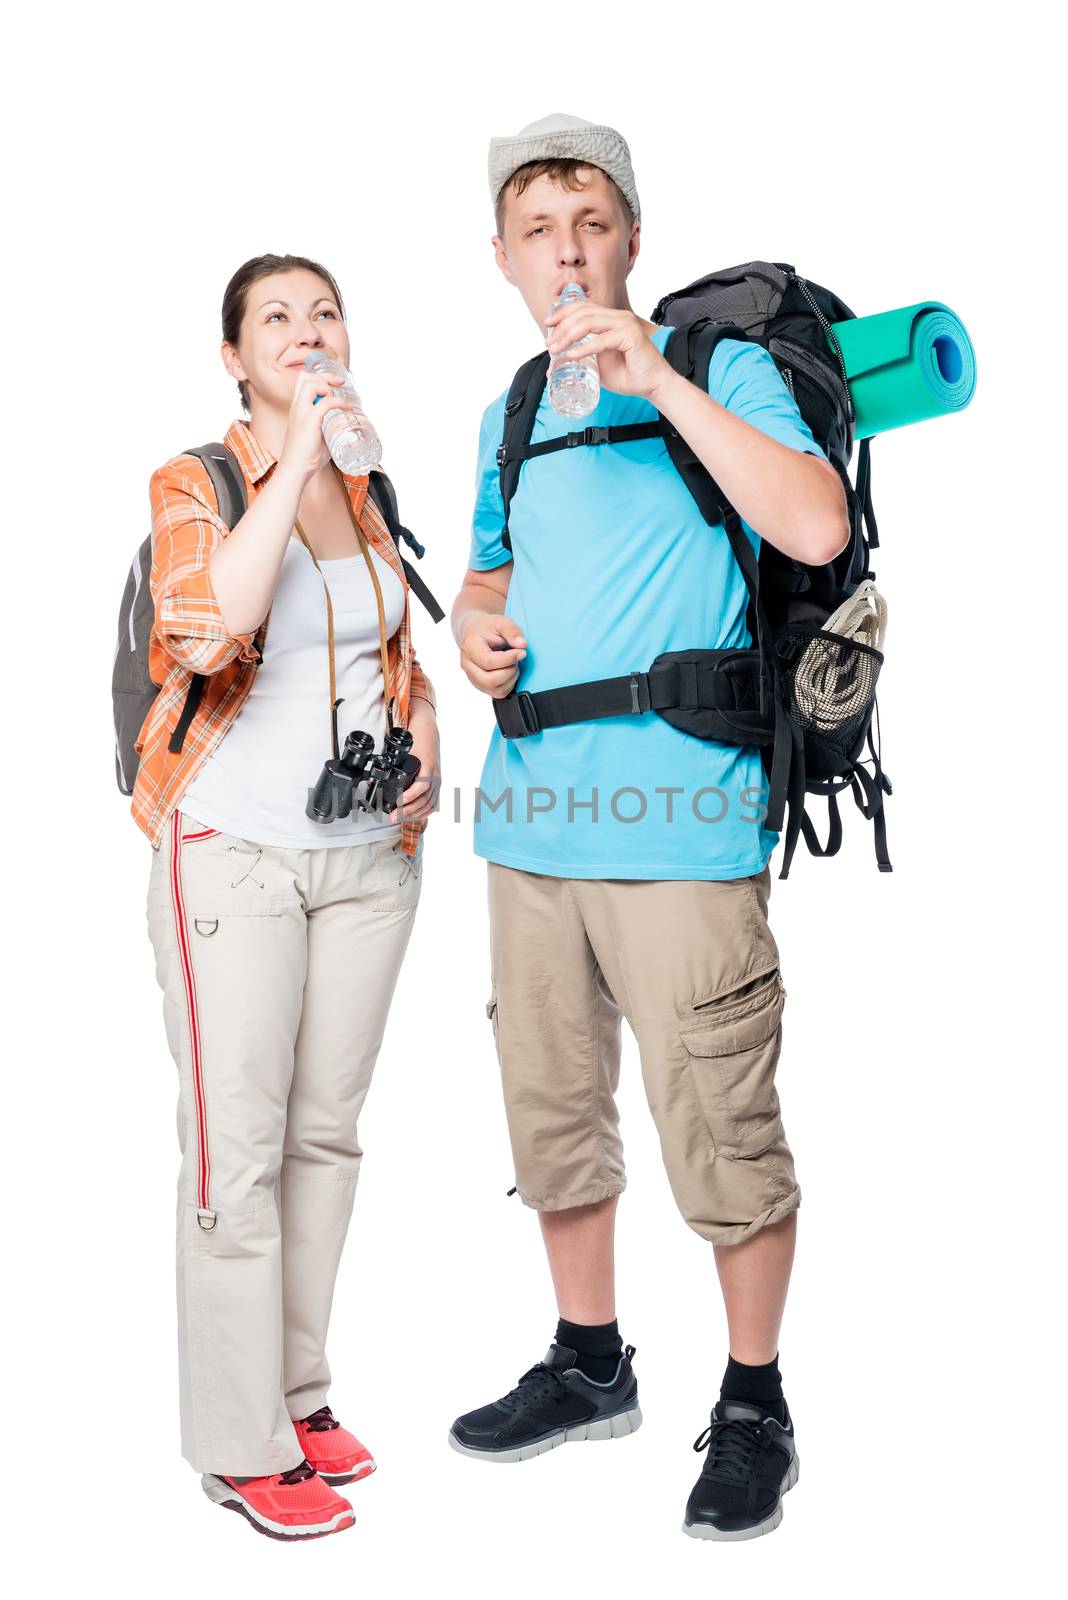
(830,684)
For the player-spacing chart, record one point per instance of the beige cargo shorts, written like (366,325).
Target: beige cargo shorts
(694,968)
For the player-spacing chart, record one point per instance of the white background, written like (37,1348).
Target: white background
(150,152)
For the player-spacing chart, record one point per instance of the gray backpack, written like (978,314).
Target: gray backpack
(132,690)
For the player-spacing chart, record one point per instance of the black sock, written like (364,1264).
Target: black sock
(598,1348)
(759,1386)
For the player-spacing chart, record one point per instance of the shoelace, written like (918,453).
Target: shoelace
(734,1447)
(297,1474)
(321,1421)
(540,1383)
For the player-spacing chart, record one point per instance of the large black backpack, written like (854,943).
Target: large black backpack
(804,696)
(133,691)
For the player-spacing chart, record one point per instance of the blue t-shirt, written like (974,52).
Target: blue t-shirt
(614,564)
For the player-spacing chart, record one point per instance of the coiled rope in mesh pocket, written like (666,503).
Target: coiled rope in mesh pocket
(831,672)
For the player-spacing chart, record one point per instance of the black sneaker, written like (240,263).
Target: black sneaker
(751,1463)
(554,1403)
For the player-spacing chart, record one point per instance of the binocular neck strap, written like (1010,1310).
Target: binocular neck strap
(362,538)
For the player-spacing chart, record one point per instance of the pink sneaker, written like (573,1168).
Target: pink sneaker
(337,1455)
(290,1505)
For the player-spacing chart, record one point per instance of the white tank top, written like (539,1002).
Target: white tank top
(255,783)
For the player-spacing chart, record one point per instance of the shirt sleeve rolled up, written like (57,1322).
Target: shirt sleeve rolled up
(421,687)
(186,528)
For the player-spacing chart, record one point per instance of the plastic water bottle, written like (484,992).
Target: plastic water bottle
(350,438)
(574,382)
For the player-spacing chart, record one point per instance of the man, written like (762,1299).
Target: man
(628,868)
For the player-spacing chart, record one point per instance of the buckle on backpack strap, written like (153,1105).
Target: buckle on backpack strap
(640,699)
(528,712)
(419,550)
(516,715)
(589,436)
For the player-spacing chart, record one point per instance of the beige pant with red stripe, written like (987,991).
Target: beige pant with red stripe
(277,968)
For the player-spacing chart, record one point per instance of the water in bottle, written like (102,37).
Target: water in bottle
(574,382)
(350,437)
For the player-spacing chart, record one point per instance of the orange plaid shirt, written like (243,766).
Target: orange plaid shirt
(189,635)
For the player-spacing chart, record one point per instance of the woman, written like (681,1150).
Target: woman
(278,938)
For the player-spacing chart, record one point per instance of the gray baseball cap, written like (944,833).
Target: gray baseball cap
(562,137)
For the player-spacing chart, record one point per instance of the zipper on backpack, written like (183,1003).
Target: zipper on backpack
(831,337)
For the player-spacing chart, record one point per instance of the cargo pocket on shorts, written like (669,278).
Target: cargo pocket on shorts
(732,1044)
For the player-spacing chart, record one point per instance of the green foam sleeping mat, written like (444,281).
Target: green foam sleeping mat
(907,365)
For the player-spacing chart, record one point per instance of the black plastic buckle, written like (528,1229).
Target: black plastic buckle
(419,550)
(589,436)
(516,715)
(640,700)
(502,454)
(528,712)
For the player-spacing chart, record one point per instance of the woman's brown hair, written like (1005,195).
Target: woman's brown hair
(235,299)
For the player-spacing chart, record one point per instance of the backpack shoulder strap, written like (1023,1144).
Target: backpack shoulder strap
(382,492)
(226,479)
(520,409)
(380,488)
(231,502)
(689,351)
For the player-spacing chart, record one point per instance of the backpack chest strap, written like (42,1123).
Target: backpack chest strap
(624,433)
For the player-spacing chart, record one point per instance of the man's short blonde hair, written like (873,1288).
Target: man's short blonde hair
(559,170)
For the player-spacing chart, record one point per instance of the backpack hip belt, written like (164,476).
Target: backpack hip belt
(710,694)
(723,685)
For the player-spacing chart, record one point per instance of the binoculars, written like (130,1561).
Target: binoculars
(381,776)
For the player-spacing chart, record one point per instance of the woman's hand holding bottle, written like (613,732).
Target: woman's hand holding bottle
(244,567)
(304,450)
